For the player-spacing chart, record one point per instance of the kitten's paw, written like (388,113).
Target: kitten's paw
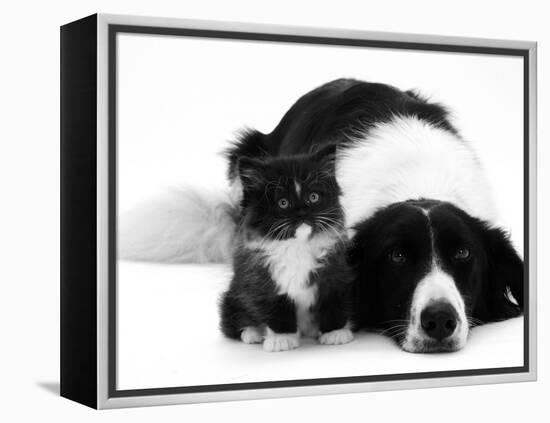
(281,342)
(251,335)
(336,337)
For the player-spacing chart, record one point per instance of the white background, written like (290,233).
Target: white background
(30,212)
(181,99)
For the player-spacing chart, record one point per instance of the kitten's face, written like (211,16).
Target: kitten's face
(281,194)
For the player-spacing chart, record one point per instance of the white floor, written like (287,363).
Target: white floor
(168,336)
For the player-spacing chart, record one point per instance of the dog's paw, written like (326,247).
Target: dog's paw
(336,337)
(251,335)
(281,342)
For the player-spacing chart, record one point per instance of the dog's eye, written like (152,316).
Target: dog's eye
(397,256)
(462,254)
(283,203)
(313,197)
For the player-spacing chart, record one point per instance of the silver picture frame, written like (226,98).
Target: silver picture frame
(88,338)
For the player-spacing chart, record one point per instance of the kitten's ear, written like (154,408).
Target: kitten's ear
(250,172)
(326,157)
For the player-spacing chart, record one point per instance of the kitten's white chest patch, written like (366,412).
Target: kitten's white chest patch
(291,261)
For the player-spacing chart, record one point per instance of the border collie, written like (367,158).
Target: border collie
(429,262)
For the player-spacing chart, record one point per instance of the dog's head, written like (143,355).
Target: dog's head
(427,271)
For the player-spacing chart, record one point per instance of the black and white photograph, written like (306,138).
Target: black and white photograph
(260,211)
(359,209)
(269,212)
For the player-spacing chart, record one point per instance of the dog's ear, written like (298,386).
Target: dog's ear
(502,291)
(360,257)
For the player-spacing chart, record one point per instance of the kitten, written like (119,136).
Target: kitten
(290,271)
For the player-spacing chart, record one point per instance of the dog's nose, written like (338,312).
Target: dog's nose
(439,320)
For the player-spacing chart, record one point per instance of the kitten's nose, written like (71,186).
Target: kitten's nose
(300,221)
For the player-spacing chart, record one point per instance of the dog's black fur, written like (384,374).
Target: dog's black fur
(328,114)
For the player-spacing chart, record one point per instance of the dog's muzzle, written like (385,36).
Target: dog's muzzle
(437,318)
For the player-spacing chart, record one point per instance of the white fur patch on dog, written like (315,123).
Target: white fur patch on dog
(408,158)
(336,337)
(186,225)
(275,342)
(252,335)
(437,285)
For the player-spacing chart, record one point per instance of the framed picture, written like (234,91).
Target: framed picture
(254,211)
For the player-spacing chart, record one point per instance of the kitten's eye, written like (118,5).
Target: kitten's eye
(283,203)
(313,197)
(462,254)
(397,256)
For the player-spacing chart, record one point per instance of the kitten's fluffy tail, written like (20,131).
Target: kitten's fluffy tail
(180,226)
